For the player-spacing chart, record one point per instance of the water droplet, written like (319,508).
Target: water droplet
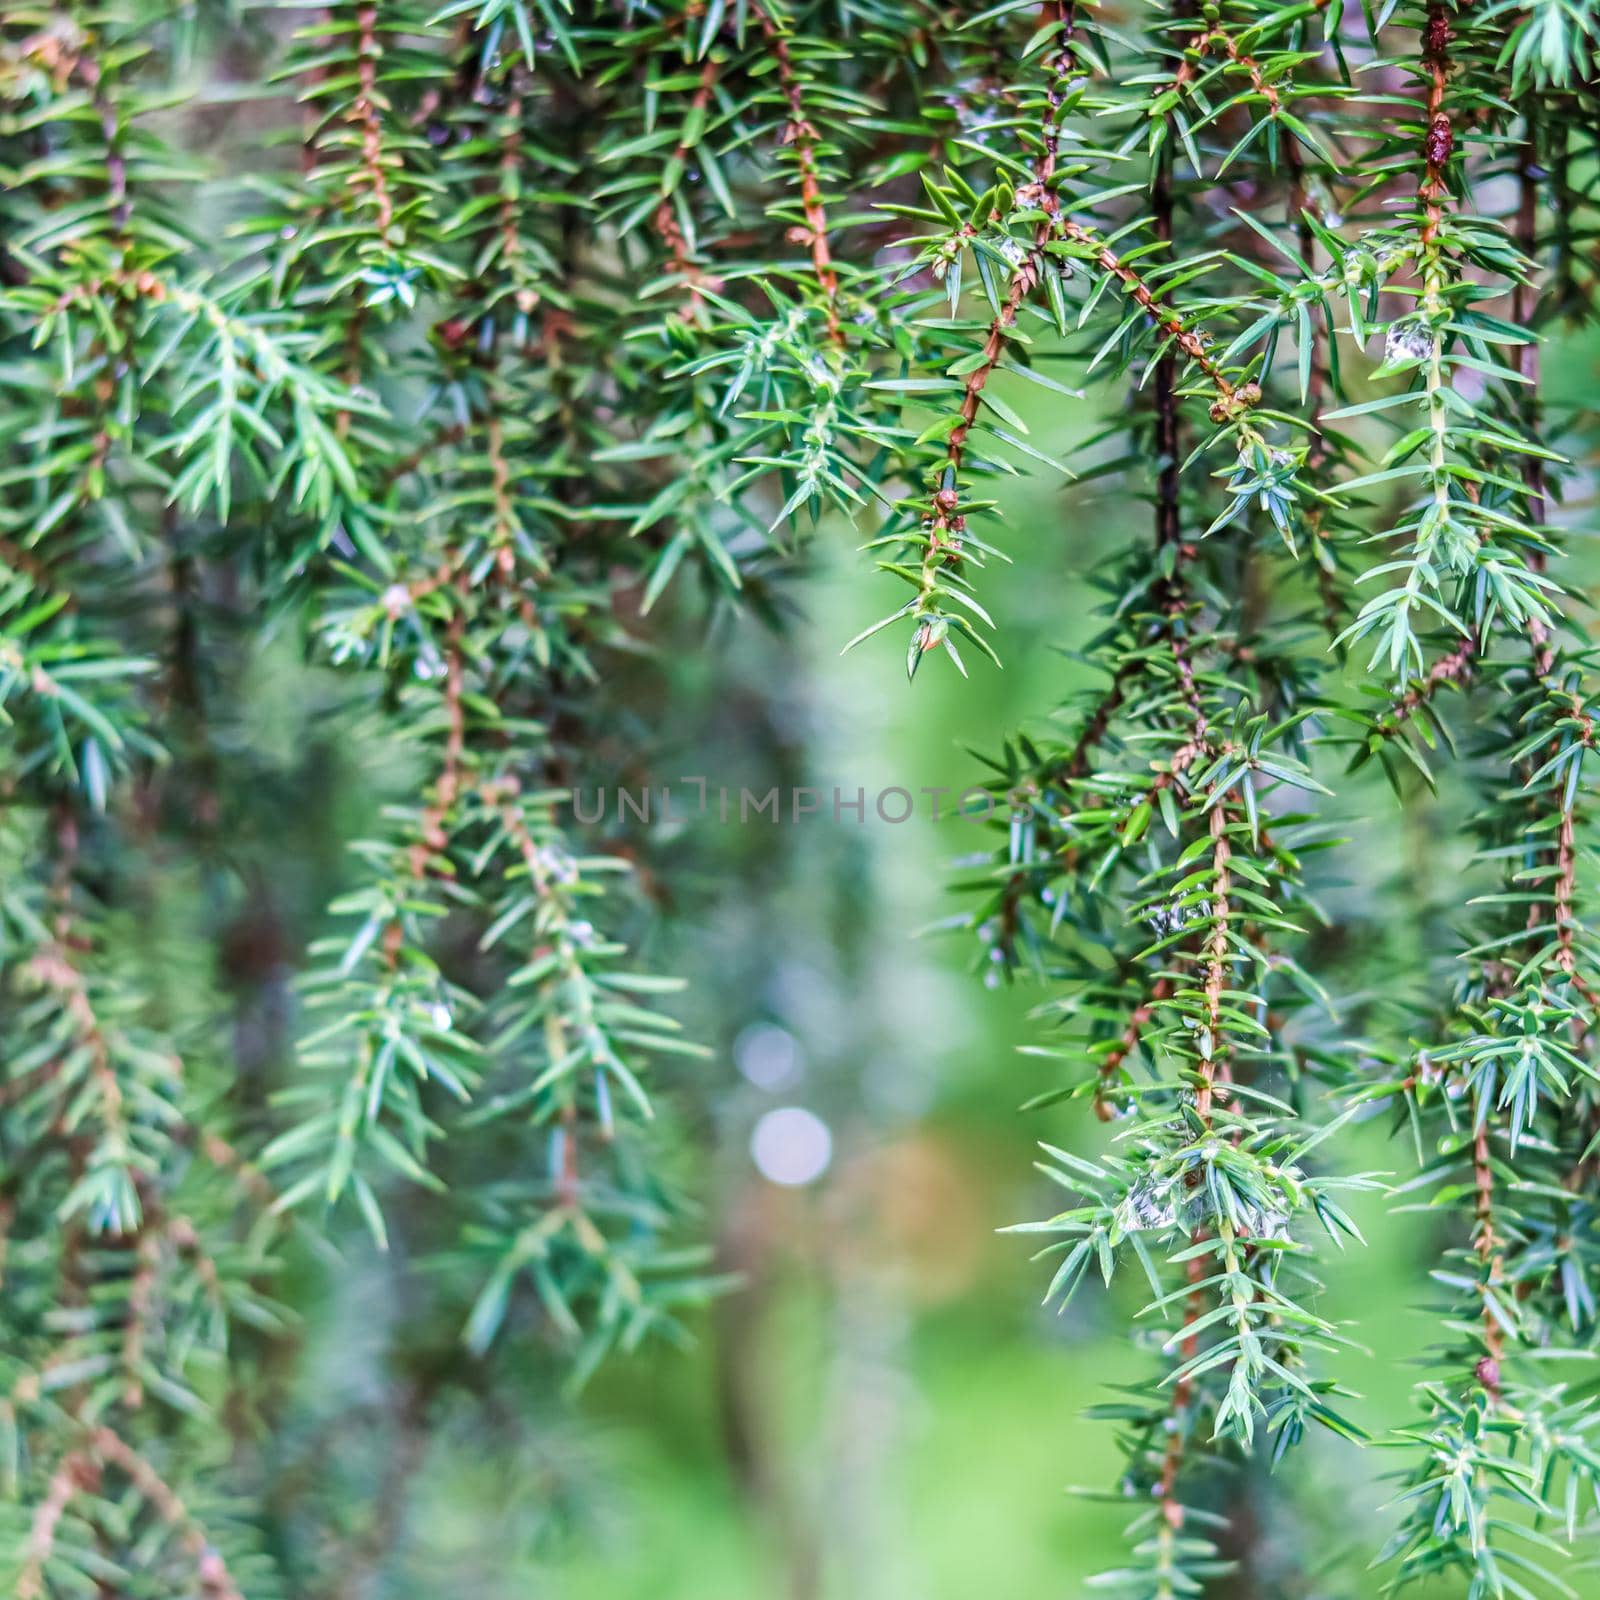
(791,1146)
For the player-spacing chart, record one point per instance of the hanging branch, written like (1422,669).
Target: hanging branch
(801,136)
(564,318)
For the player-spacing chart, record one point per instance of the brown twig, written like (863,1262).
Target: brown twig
(451,434)
(369,175)
(225,1158)
(1565,894)
(432,837)
(75,1474)
(1209,42)
(53,967)
(667,226)
(1439,138)
(1094,730)
(1216,960)
(502,796)
(215,1581)
(141,1298)
(1167,320)
(946,502)
(946,521)
(1456,667)
(1111,1063)
(801,135)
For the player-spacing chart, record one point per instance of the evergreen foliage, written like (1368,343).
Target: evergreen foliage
(533,311)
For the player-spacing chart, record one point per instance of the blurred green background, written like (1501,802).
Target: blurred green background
(885,1410)
(882,1410)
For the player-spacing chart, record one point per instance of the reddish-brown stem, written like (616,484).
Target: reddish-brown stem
(1059,13)
(502,795)
(75,1474)
(370,175)
(1094,730)
(1457,667)
(505,522)
(1169,523)
(431,835)
(666,217)
(945,522)
(54,967)
(215,1580)
(1111,1064)
(1212,41)
(801,135)
(1167,320)
(225,1158)
(80,1472)
(1439,137)
(947,498)
(945,517)
(453,434)
(141,1296)
(1216,960)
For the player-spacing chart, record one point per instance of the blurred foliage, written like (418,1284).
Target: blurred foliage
(418,418)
